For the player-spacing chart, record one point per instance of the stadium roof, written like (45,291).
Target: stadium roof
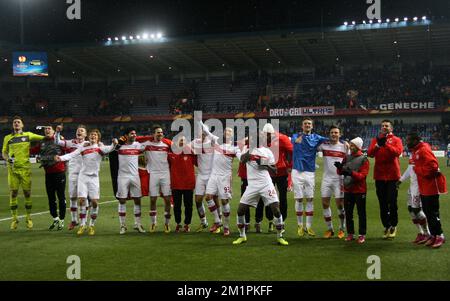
(246,51)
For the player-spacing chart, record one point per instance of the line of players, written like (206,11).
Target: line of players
(214,179)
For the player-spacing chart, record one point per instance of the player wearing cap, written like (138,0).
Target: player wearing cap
(333,151)
(355,168)
(303,173)
(16,152)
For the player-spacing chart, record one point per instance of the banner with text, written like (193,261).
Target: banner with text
(415,105)
(302,111)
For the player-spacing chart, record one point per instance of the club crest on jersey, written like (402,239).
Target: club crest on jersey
(23,139)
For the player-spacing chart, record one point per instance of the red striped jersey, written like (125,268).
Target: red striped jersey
(156,155)
(129,159)
(332,153)
(91,157)
(75,163)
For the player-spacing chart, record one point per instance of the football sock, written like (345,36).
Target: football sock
(241,225)
(13,207)
(299,211)
(137,214)
(94,214)
(28,206)
(226,215)
(327,218)
(74,210)
(279,224)
(153,216)
(341,214)
(122,213)
(213,209)
(309,214)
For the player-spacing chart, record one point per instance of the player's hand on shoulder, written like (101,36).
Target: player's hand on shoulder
(299,139)
(57,158)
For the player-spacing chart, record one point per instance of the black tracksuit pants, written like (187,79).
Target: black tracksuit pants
(350,199)
(55,184)
(430,206)
(387,198)
(187,197)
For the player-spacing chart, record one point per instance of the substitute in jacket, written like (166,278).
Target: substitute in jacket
(431,182)
(55,176)
(182,179)
(386,149)
(355,168)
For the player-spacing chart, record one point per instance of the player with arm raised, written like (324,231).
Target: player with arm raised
(220,181)
(333,151)
(74,165)
(303,173)
(88,180)
(16,152)
(128,182)
(259,161)
(156,151)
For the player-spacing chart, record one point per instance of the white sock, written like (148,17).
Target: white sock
(122,213)
(153,214)
(341,214)
(167,217)
(423,223)
(309,214)
(74,211)
(279,224)
(213,209)
(94,215)
(226,215)
(137,214)
(241,225)
(201,213)
(299,211)
(83,216)
(327,217)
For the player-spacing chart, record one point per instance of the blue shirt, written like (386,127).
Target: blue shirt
(304,154)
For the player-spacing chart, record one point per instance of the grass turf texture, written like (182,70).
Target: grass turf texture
(41,255)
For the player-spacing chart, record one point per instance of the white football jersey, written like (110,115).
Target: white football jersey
(332,153)
(75,163)
(411,174)
(223,158)
(205,155)
(91,157)
(129,159)
(156,155)
(255,175)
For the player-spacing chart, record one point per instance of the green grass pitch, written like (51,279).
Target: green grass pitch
(41,255)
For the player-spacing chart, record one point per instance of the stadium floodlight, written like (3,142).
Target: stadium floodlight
(124,38)
(353,22)
(415,19)
(370,21)
(152,36)
(159,35)
(170,67)
(405,19)
(424,18)
(138,37)
(109,39)
(397,19)
(151,56)
(267,49)
(345,23)
(116,39)
(145,36)
(364,21)
(58,61)
(379,21)
(131,37)
(388,20)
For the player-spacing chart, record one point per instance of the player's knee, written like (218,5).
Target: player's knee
(14,193)
(27,193)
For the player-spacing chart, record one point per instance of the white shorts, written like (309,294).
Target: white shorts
(128,186)
(200,184)
(73,185)
(88,187)
(160,182)
(332,187)
(266,191)
(414,200)
(220,186)
(303,184)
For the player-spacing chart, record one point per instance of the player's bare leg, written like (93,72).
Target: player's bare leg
(341,214)
(94,215)
(201,213)
(167,213)
(153,213)
(137,216)
(279,223)
(241,224)
(226,217)
(327,217)
(213,208)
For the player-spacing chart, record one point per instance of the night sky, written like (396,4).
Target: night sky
(45,21)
